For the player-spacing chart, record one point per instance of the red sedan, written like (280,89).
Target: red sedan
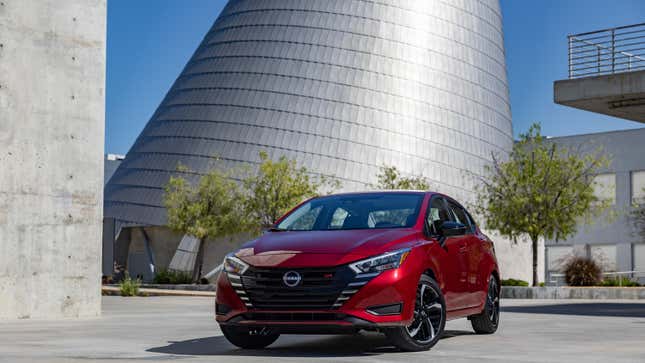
(397,262)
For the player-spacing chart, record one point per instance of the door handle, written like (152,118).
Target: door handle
(462,249)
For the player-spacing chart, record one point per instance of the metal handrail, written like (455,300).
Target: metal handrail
(632,275)
(606,52)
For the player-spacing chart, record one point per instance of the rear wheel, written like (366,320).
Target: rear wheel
(429,319)
(249,338)
(488,321)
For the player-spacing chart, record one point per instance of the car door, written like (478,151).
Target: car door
(472,256)
(453,259)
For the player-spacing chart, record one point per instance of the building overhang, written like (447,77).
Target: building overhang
(619,95)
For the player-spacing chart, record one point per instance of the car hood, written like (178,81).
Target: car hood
(322,248)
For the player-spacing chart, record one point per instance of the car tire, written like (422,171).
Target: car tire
(488,320)
(249,338)
(429,319)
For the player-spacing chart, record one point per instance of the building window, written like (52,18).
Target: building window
(639,257)
(604,255)
(638,186)
(605,187)
(557,256)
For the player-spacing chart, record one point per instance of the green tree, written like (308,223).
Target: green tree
(277,187)
(390,177)
(543,190)
(208,210)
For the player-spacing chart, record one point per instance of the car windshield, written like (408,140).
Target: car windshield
(354,211)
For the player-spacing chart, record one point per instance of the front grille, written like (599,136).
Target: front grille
(319,288)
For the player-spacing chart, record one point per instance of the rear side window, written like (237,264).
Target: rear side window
(460,214)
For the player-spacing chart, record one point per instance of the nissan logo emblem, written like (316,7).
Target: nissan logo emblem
(291,278)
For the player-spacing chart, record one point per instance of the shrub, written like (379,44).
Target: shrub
(164,276)
(514,282)
(624,281)
(582,271)
(129,286)
(541,284)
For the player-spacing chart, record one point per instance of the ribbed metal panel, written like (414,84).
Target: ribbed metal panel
(342,86)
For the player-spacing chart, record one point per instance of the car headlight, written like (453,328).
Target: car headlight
(234,265)
(380,263)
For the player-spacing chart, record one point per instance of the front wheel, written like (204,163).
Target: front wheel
(488,320)
(429,319)
(249,338)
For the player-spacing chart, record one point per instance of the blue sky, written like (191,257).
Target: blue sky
(150,41)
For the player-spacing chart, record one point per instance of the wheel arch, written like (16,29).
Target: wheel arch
(430,272)
(432,267)
(495,275)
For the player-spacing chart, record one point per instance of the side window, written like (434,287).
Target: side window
(437,214)
(460,214)
(473,223)
(338,218)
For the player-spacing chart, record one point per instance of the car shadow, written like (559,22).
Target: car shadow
(308,346)
(631,310)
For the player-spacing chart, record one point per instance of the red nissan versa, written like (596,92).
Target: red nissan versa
(397,262)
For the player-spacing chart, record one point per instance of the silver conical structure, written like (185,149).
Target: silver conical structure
(342,86)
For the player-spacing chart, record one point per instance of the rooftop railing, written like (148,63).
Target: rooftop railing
(607,51)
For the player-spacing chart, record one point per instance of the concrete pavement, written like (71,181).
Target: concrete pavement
(182,328)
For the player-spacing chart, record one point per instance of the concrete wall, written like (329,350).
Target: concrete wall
(164,243)
(215,250)
(515,258)
(52,106)
(619,95)
(566,292)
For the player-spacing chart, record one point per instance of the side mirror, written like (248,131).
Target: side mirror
(449,229)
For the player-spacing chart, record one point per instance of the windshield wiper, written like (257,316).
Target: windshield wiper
(276,229)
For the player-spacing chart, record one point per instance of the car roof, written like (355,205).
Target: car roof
(381,191)
(391,191)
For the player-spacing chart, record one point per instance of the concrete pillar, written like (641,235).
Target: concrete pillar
(52,107)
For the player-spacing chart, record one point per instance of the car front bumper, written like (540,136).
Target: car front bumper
(386,299)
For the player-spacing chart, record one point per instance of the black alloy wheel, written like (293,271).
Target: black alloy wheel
(488,320)
(428,321)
